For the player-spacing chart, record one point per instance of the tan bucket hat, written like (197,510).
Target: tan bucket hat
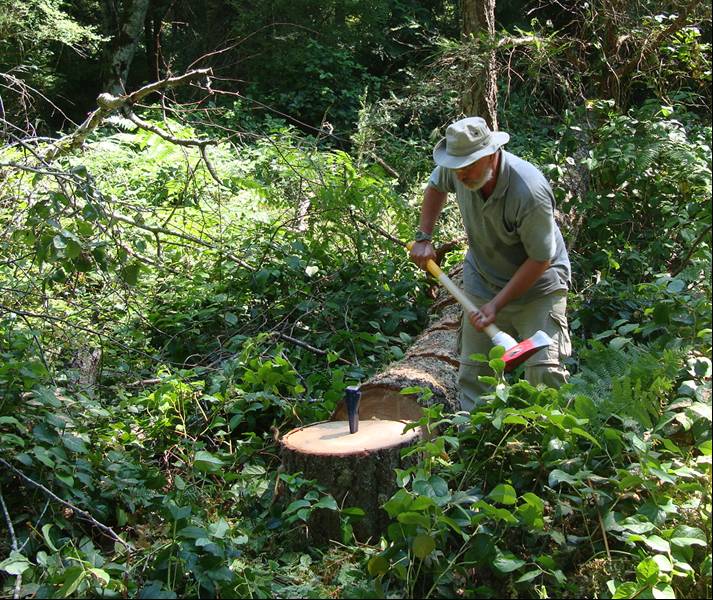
(466,141)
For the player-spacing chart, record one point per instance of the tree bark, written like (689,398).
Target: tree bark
(431,362)
(480,97)
(355,477)
(129,22)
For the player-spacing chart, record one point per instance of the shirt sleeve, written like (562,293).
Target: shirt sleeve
(536,224)
(441,180)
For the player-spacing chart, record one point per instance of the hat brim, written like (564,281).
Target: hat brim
(443,159)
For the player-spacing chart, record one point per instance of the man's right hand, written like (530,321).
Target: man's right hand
(421,253)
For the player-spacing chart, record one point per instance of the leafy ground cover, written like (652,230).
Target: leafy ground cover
(160,325)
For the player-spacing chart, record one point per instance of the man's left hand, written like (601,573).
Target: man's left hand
(485,317)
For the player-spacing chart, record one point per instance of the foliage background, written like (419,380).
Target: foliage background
(208,270)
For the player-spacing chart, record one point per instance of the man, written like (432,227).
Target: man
(516,270)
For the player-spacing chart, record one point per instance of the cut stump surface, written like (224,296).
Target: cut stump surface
(356,469)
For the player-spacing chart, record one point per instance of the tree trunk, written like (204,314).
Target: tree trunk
(480,97)
(354,475)
(126,36)
(356,469)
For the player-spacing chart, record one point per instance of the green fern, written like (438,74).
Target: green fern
(631,385)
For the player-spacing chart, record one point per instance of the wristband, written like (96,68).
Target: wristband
(422,237)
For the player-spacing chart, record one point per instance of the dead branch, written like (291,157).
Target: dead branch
(307,346)
(155,229)
(108,104)
(13,543)
(82,513)
(139,122)
(655,41)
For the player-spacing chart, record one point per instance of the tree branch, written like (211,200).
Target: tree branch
(13,543)
(307,346)
(155,229)
(655,41)
(684,261)
(108,104)
(82,513)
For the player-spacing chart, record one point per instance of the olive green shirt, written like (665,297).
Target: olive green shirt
(516,222)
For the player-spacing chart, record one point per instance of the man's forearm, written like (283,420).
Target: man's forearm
(529,272)
(433,202)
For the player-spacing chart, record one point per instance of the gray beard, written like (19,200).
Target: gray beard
(480,182)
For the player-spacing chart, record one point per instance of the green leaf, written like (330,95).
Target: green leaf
(497,365)
(686,531)
(584,407)
(327,502)
(663,563)
(68,480)
(122,518)
(703,410)
(413,518)
(398,503)
(74,443)
(378,565)
(206,462)
(647,572)
(47,396)
(515,420)
(529,576)
(218,529)
(130,273)
(43,456)
(507,562)
(619,342)
(423,545)
(504,494)
(451,523)
(439,485)
(657,543)
(101,576)
(192,532)
(534,501)
(422,503)
(179,512)
(73,576)
(682,542)
(626,590)
(559,476)
(48,539)
(663,590)
(580,432)
(296,505)
(496,352)
(15,564)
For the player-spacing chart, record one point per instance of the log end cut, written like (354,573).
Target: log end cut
(332,438)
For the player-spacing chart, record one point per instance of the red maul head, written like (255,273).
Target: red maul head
(525,349)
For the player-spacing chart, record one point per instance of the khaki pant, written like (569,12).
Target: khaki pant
(548,314)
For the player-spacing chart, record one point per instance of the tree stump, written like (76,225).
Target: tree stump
(357,469)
